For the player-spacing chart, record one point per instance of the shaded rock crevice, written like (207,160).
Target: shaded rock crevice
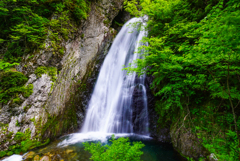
(156,130)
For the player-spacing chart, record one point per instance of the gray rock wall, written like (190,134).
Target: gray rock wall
(185,141)
(57,107)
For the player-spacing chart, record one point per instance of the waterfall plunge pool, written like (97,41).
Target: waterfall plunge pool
(70,147)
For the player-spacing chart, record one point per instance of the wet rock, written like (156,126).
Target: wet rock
(5,114)
(29,155)
(69,151)
(56,157)
(13,125)
(45,158)
(139,112)
(31,79)
(212,157)
(50,154)
(122,17)
(163,134)
(156,130)
(187,143)
(57,154)
(36,158)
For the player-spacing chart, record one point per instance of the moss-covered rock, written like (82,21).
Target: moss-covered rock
(29,155)
(36,158)
(51,71)
(45,158)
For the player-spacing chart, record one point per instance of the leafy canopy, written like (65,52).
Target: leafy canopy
(194,57)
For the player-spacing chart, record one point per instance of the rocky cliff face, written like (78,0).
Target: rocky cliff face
(58,105)
(185,140)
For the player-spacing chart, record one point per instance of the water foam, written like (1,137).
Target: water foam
(13,158)
(96,137)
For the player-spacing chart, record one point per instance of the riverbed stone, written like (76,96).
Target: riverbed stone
(29,155)
(69,151)
(45,158)
(36,158)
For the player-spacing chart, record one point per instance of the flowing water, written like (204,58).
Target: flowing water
(112,108)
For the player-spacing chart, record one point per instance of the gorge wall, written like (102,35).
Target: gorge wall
(57,104)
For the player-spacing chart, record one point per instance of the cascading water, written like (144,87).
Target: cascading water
(111,108)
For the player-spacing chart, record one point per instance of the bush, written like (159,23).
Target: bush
(120,150)
(23,143)
(2,153)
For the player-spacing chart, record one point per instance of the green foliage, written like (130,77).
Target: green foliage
(61,51)
(23,143)
(224,149)
(28,91)
(9,153)
(17,123)
(119,24)
(2,153)
(4,66)
(17,100)
(17,79)
(26,23)
(12,83)
(194,57)
(40,70)
(120,150)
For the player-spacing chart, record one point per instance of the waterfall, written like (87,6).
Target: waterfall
(119,101)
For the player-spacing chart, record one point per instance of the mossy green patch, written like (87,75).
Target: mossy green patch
(61,51)
(28,91)
(17,123)
(106,21)
(52,85)
(82,36)
(50,71)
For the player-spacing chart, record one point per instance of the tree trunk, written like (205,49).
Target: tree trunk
(234,116)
